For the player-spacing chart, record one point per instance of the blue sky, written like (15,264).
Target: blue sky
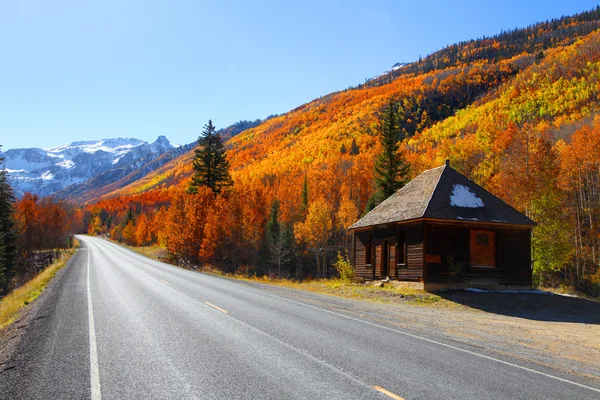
(76,69)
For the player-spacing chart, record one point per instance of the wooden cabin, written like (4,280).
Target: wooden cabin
(443,230)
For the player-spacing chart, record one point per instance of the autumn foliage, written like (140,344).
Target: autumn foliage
(522,124)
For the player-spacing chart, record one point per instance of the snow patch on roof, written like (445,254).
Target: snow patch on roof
(463,197)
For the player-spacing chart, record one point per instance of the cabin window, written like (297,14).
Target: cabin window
(401,252)
(368,250)
(482,239)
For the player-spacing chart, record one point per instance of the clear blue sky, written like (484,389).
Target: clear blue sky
(76,69)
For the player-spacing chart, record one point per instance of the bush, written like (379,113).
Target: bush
(344,267)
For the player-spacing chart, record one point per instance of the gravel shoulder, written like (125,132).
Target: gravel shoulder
(550,331)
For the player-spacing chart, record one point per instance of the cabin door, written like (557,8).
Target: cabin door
(384,260)
(378,261)
(391,259)
(483,249)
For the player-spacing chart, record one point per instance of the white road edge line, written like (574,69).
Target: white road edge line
(94,369)
(423,339)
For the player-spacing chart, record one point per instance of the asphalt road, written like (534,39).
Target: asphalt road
(120,326)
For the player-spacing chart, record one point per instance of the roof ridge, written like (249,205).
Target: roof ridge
(437,184)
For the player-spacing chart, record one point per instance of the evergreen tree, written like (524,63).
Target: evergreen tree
(305,195)
(391,169)
(8,230)
(354,150)
(211,167)
(279,239)
(343,149)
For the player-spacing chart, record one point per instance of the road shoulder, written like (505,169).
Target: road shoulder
(28,327)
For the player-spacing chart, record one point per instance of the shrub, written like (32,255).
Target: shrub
(344,267)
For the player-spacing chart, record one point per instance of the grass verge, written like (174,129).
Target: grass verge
(389,293)
(12,303)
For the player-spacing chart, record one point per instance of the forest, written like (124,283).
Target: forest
(34,233)
(517,113)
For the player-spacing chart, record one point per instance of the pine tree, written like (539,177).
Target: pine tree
(211,167)
(8,231)
(279,239)
(354,150)
(391,169)
(305,195)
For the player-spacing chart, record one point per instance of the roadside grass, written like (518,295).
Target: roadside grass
(154,252)
(13,302)
(388,293)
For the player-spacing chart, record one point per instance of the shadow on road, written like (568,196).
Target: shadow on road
(540,307)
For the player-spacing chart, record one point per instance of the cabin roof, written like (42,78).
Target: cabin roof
(443,193)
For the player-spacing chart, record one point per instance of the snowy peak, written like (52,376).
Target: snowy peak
(161,144)
(44,171)
(118,145)
(398,65)
(395,67)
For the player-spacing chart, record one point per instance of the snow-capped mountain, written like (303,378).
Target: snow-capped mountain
(45,171)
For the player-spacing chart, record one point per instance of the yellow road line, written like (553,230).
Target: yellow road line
(165,282)
(215,307)
(388,393)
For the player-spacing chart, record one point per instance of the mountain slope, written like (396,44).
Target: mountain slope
(429,93)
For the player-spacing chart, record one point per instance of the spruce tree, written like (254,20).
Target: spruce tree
(8,231)
(279,239)
(211,167)
(305,195)
(391,169)
(354,150)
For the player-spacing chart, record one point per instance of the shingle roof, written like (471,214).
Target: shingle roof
(443,193)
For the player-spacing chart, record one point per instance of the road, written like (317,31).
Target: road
(122,326)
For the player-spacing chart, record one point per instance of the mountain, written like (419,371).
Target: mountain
(123,175)
(442,99)
(45,171)
(429,92)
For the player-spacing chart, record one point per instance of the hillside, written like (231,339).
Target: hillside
(429,91)
(507,111)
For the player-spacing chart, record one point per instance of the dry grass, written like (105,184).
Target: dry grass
(153,252)
(12,303)
(337,287)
